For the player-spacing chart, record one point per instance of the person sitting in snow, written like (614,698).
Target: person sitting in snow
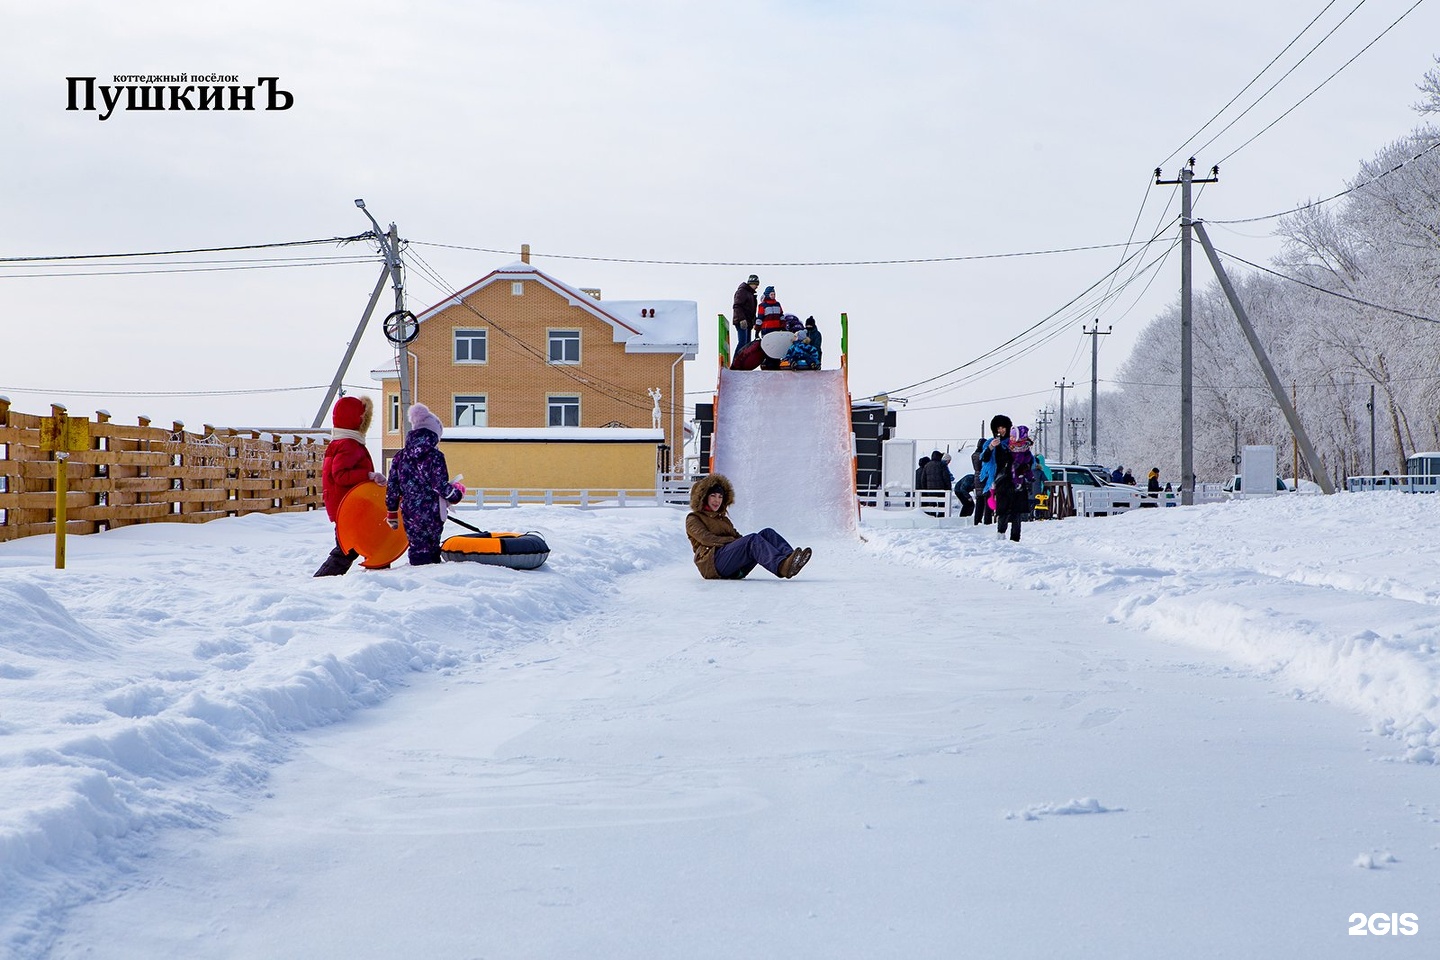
(347,465)
(802,355)
(420,487)
(721,553)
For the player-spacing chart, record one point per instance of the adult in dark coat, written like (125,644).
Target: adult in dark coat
(936,475)
(743,314)
(920,473)
(721,553)
(1011,501)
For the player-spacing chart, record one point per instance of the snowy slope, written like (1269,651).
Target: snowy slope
(1147,727)
(783,439)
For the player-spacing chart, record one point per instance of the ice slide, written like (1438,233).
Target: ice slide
(784,439)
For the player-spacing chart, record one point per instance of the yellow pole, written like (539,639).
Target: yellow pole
(61,482)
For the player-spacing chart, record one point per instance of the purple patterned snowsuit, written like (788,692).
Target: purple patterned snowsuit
(419,481)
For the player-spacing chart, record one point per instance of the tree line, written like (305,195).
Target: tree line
(1352,301)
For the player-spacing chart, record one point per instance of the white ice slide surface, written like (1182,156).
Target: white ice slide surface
(783,439)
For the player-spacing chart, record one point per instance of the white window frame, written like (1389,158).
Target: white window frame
(471,400)
(517,288)
(563,337)
(470,338)
(561,402)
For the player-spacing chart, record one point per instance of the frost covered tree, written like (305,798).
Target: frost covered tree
(1354,300)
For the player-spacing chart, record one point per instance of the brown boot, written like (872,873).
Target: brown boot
(792,564)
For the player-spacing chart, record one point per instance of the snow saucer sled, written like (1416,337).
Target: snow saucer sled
(518,551)
(360,526)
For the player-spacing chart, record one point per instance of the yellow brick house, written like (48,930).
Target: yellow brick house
(542,385)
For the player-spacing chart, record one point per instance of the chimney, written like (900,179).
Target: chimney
(524,253)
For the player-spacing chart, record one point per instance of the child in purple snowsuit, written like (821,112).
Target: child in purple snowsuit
(419,486)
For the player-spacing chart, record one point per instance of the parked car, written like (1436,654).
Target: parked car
(1078,475)
(1232,486)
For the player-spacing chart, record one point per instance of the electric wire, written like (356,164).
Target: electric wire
(1348,190)
(180,269)
(165,253)
(1253,80)
(1283,76)
(786,263)
(1022,346)
(1028,330)
(239,392)
(1320,85)
(1332,293)
(571,371)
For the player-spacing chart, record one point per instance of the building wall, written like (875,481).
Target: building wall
(560,465)
(517,378)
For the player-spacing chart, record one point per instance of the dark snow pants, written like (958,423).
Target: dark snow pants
(767,549)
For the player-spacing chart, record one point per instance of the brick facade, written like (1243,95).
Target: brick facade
(517,377)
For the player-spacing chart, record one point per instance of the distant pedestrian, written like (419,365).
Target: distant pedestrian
(920,473)
(964,488)
(1117,475)
(1152,483)
(1013,466)
(936,476)
(743,314)
(721,553)
(1128,478)
(812,332)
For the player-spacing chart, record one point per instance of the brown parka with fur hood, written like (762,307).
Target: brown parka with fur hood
(707,531)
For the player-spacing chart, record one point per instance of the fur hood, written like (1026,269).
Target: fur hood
(707,485)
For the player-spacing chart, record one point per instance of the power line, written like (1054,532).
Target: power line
(167,253)
(1296,39)
(1337,196)
(1332,293)
(1283,76)
(1028,330)
(339,261)
(571,371)
(1321,84)
(784,263)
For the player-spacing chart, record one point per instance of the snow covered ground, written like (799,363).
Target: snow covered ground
(1192,732)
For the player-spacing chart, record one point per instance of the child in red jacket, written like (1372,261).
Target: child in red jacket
(347,465)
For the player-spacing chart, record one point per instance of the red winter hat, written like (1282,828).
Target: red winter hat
(349,413)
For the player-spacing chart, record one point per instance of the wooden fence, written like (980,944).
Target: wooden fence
(125,475)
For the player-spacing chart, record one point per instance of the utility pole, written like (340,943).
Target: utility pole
(1042,421)
(1075,424)
(1095,336)
(1276,390)
(390,248)
(389,241)
(1371,407)
(1187,391)
(1063,387)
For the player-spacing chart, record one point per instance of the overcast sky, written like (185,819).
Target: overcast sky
(746,133)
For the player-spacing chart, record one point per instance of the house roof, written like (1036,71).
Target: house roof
(644,326)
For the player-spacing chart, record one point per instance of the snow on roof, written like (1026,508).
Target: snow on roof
(644,326)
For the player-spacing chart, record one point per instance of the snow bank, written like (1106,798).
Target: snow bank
(1336,597)
(155,681)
